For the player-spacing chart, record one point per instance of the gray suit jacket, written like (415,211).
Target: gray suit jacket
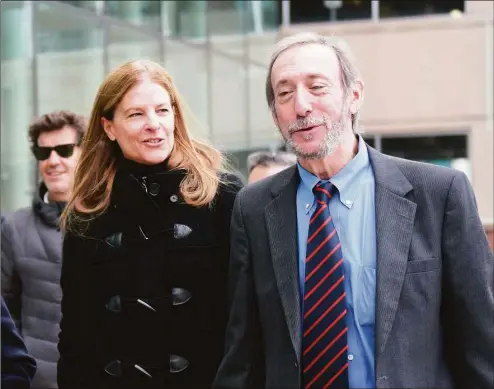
(434,300)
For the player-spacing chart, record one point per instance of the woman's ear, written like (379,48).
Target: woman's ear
(108,127)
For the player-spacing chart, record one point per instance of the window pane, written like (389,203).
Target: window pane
(370,140)
(262,127)
(17,165)
(140,13)
(271,14)
(61,29)
(187,64)
(185,18)
(316,11)
(390,8)
(128,44)
(237,17)
(229,100)
(70,59)
(447,150)
(229,17)
(91,5)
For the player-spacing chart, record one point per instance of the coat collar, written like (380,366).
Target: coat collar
(140,200)
(49,212)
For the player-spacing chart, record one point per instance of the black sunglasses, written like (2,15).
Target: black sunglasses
(43,153)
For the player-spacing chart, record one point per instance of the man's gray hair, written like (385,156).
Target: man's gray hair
(349,71)
(268,158)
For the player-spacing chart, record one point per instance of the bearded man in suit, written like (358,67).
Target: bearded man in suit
(353,269)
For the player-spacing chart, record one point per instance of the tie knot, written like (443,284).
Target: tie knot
(324,191)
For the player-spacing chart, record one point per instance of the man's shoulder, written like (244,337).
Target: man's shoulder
(14,227)
(425,174)
(18,218)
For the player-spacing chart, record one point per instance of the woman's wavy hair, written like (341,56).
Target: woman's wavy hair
(97,167)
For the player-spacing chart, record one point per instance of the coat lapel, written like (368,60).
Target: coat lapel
(281,221)
(395,216)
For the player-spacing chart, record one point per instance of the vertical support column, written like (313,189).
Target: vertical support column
(32,7)
(378,143)
(164,30)
(489,80)
(171,22)
(105,32)
(246,63)
(375,10)
(257,17)
(209,77)
(285,13)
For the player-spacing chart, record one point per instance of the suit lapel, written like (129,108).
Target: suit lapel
(395,216)
(281,221)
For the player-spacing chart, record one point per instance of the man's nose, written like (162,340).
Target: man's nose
(54,158)
(303,105)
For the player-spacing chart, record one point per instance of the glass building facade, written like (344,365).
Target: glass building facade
(55,54)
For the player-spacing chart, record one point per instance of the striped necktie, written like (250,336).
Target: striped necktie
(324,344)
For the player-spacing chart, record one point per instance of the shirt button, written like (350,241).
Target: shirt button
(348,202)
(350,357)
(307,206)
(173,198)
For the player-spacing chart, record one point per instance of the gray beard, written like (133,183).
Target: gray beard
(331,141)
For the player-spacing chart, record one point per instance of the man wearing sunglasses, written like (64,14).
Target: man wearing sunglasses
(32,242)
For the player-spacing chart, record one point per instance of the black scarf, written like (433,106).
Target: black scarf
(50,212)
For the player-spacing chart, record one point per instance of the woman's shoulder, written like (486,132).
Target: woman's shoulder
(230,183)
(86,229)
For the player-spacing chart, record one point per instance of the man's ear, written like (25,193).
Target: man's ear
(357,98)
(108,127)
(275,117)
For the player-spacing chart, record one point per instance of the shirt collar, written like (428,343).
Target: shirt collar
(346,179)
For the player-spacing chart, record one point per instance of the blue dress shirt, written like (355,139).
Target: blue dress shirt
(353,211)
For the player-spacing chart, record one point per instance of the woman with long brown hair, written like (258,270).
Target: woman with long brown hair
(146,245)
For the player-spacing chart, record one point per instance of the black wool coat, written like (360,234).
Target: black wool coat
(144,291)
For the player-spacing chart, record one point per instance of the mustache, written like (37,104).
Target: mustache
(309,121)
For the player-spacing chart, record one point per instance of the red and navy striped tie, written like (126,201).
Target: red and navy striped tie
(324,344)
